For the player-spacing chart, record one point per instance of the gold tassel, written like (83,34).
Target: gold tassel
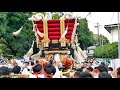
(30,52)
(37,39)
(65,32)
(36,17)
(36,56)
(17,32)
(39,33)
(74,31)
(37,42)
(76,39)
(32,44)
(34,26)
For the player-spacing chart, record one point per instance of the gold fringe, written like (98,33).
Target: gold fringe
(37,39)
(46,40)
(74,30)
(62,28)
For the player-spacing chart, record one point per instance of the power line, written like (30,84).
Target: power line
(88,14)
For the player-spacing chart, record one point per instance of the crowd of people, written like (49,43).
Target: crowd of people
(54,68)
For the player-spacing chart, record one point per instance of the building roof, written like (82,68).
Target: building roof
(110,27)
(91,47)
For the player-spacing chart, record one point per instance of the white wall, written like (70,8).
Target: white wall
(91,51)
(115,63)
(114,34)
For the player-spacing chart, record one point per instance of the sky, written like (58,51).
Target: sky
(103,18)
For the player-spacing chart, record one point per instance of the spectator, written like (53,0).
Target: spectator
(118,72)
(66,73)
(36,62)
(37,72)
(102,68)
(102,63)
(77,74)
(110,71)
(108,64)
(82,75)
(16,69)
(104,75)
(95,69)
(49,70)
(4,70)
(80,69)
(86,75)
(30,66)
(90,63)
(89,69)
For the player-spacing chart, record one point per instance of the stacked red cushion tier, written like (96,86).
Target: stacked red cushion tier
(54,28)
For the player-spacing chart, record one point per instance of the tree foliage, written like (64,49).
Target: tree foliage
(85,36)
(99,39)
(56,15)
(11,22)
(107,51)
(19,45)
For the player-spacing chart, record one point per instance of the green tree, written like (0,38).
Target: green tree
(11,22)
(56,15)
(107,51)
(85,36)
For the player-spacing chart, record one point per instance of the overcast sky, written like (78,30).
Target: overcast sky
(103,18)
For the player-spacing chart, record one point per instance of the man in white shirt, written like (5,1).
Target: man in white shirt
(51,70)
(37,72)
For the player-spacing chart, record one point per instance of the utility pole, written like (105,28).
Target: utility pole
(98,33)
(118,37)
(102,40)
